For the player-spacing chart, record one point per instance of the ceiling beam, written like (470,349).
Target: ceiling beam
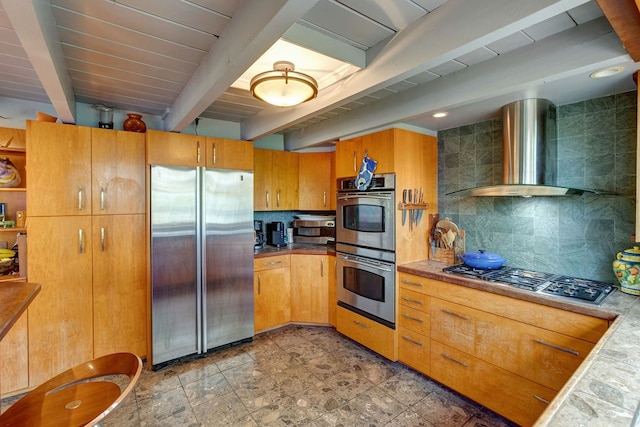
(451,30)
(570,52)
(624,16)
(35,26)
(255,27)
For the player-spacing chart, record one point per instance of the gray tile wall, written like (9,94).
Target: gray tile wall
(573,235)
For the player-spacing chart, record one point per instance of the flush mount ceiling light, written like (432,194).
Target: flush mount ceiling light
(606,72)
(283,86)
(440,114)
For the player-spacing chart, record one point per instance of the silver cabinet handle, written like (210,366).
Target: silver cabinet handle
(101,198)
(541,399)
(453,313)
(408,282)
(415,301)
(557,347)
(267,199)
(278,198)
(198,153)
(102,239)
(446,356)
(406,338)
(362,325)
(407,316)
(215,146)
(355,159)
(321,268)
(259,285)
(324,199)
(272,263)
(80,241)
(80,201)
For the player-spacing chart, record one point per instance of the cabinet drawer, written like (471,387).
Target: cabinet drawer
(489,385)
(416,320)
(414,283)
(371,334)
(413,299)
(537,354)
(414,350)
(268,263)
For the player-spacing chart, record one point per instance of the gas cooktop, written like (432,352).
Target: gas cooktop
(584,290)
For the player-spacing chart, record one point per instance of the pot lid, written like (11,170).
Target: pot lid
(483,255)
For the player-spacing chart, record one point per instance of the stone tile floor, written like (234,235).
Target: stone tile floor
(294,376)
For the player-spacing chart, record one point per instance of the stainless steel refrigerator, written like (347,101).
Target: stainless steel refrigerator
(201,260)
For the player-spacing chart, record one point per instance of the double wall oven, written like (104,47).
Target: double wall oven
(365,246)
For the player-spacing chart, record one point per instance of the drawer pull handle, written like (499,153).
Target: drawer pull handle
(80,201)
(415,301)
(453,313)
(267,199)
(541,399)
(446,356)
(412,341)
(406,316)
(101,198)
(215,149)
(272,262)
(362,325)
(557,347)
(408,282)
(259,285)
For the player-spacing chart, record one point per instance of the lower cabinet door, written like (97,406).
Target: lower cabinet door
(414,350)
(14,359)
(510,395)
(272,298)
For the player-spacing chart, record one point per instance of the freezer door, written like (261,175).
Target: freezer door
(228,207)
(174,266)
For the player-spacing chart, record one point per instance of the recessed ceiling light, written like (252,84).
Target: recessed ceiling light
(606,72)
(440,114)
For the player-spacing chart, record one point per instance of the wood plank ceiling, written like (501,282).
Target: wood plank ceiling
(178,59)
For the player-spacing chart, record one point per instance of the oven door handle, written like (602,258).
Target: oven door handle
(363,196)
(367,264)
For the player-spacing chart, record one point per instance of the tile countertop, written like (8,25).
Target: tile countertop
(605,390)
(295,248)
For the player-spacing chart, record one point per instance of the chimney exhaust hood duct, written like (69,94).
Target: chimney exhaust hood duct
(529,153)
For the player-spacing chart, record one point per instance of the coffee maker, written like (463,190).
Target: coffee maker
(275,234)
(258,235)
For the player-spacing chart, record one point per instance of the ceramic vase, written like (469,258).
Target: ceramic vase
(627,270)
(134,123)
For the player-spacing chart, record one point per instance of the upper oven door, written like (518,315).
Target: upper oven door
(366,219)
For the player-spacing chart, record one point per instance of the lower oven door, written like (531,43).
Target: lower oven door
(367,286)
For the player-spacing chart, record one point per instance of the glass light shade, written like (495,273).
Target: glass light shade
(284,87)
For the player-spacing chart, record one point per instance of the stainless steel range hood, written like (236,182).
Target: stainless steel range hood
(529,153)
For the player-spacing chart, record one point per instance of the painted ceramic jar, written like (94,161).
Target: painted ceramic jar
(134,123)
(627,269)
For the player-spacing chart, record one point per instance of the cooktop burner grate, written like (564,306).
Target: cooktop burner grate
(585,290)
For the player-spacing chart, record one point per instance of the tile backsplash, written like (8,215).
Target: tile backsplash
(573,235)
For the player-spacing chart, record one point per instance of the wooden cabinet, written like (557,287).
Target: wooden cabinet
(61,318)
(119,284)
(175,149)
(272,292)
(59,169)
(87,251)
(333,297)
(223,153)
(310,288)
(14,359)
(378,146)
(117,171)
(414,323)
(275,180)
(510,395)
(316,192)
(367,332)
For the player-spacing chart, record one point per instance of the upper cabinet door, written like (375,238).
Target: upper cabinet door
(348,157)
(59,169)
(223,153)
(118,172)
(175,149)
(315,181)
